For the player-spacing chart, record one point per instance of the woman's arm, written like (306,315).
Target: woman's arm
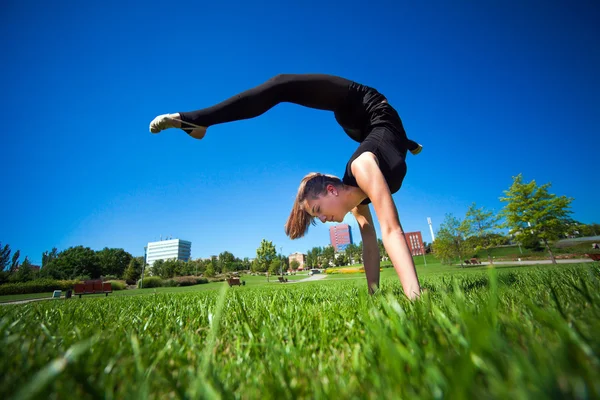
(370,179)
(370,247)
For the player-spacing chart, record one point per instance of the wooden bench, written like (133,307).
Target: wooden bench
(594,256)
(235,281)
(282,279)
(92,287)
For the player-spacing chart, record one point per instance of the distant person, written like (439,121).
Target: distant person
(373,173)
(595,246)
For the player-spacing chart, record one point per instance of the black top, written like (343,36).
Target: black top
(378,128)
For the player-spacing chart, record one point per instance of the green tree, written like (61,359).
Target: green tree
(158,268)
(265,254)
(74,262)
(316,254)
(294,264)
(226,262)
(341,260)
(25,272)
(49,256)
(450,240)
(275,266)
(113,261)
(246,264)
(209,272)
(382,252)
(530,241)
(327,256)
(134,270)
(4,256)
(482,224)
(589,229)
(14,264)
(534,208)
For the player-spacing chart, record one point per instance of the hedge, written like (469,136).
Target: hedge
(36,286)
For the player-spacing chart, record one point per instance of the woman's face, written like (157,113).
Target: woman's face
(328,207)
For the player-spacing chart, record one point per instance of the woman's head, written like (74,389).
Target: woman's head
(318,197)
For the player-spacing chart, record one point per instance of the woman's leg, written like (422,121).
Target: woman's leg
(319,91)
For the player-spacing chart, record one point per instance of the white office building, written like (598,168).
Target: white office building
(173,249)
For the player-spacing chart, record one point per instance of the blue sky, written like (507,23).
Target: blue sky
(491,89)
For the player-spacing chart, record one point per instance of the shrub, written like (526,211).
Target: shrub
(117,285)
(151,282)
(36,286)
(187,280)
(169,283)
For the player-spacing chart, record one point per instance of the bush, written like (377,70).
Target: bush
(151,282)
(189,280)
(169,283)
(531,242)
(117,285)
(36,286)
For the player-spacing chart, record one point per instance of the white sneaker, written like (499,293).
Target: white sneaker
(161,122)
(417,150)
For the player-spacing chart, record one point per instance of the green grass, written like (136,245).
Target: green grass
(494,333)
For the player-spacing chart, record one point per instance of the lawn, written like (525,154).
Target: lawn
(526,332)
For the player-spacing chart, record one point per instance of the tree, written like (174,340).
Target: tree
(74,262)
(341,260)
(226,262)
(158,268)
(246,264)
(134,270)
(210,270)
(113,261)
(450,240)
(352,253)
(25,272)
(589,230)
(294,264)
(265,254)
(14,264)
(382,252)
(274,266)
(483,224)
(4,256)
(530,207)
(49,256)
(327,256)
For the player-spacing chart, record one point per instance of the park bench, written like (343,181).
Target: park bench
(282,279)
(594,256)
(235,281)
(92,287)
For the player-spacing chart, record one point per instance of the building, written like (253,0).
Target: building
(301,258)
(340,236)
(173,249)
(415,243)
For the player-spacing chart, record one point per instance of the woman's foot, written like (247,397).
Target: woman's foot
(417,150)
(164,121)
(167,121)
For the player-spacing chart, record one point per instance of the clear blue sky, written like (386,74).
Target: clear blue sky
(491,89)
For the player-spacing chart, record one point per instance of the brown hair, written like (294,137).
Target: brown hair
(312,185)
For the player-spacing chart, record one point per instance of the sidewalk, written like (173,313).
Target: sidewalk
(533,262)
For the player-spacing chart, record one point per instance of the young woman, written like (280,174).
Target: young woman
(374,172)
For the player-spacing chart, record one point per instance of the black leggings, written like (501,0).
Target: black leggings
(323,92)
(319,91)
